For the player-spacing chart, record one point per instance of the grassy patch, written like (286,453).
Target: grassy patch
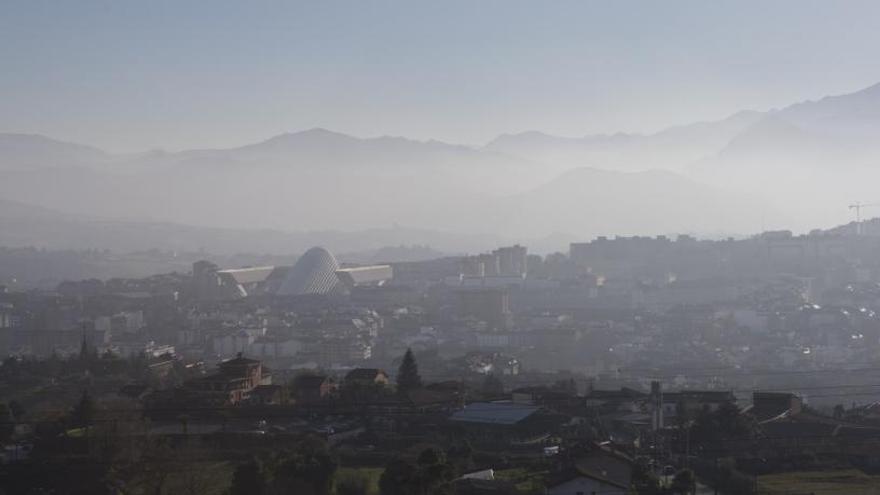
(526,481)
(849,481)
(371,473)
(203,478)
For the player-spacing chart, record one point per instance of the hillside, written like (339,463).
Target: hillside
(672,148)
(787,168)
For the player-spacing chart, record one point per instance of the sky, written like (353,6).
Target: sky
(129,76)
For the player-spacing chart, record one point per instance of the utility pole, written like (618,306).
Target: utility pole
(716,474)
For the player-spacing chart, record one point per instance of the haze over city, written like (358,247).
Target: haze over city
(439,248)
(481,95)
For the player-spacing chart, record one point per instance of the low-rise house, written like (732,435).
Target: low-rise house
(468,485)
(266,395)
(128,347)
(238,341)
(367,376)
(506,423)
(234,381)
(313,388)
(576,481)
(693,401)
(769,405)
(625,399)
(269,348)
(599,470)
(543,396)
(365,385)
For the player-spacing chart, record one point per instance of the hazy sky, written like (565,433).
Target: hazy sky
(127,76)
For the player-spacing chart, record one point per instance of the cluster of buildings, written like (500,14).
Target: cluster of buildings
(606,352)
(607,306)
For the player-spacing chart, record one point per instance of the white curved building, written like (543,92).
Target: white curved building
(313,273)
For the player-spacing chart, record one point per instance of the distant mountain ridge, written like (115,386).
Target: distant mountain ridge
(808,160)
(671,148)
(857,111)
(797,167)
(23,151)
(319,180)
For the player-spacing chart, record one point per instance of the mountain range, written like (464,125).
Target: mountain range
(794,167)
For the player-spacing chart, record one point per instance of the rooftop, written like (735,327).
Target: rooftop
(364,374)
(247,276)
(501,413)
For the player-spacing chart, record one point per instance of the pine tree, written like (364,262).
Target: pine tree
(408,374)
(84,348)
(84,411)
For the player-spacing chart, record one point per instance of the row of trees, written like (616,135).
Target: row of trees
(708,427)
(310,469)
(431,474)
(307,469)
(135,368)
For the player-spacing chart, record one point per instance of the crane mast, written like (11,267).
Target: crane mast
(857,206)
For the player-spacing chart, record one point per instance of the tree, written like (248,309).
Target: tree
(724,423)
(16,409)
(248,479)
(7,422)
(87,354)
(360,391)
(434,473)
(397,478)
(430,475)
(683,482)
(644,480)
(146,468)
(84,412)
(731,422)
(84,348)
(492,385)
(408,374)
(308,469)
(568,386)
(461,455)
(354,483)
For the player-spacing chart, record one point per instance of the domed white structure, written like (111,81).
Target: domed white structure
(313,273)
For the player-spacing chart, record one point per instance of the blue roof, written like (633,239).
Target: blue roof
(499,413)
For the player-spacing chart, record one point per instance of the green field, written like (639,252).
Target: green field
(844,481)
(525,481)
(372,474)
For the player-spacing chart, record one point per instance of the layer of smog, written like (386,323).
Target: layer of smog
(442,248)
